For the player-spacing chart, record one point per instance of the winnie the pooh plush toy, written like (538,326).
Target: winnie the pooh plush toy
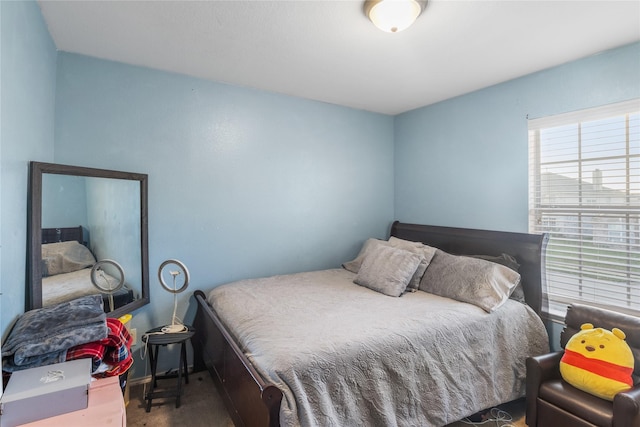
(598,361)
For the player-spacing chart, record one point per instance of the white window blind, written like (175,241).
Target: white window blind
(584,190)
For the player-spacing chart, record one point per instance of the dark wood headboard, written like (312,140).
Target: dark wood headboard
(55,235)
(528,249)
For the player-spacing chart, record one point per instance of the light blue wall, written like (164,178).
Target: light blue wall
(242,183)
(64,201)
(113,221)
(463,162)
(27,130)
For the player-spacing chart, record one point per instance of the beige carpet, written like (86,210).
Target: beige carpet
(202,406)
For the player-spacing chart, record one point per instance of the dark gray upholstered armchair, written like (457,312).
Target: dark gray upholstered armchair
(552,402)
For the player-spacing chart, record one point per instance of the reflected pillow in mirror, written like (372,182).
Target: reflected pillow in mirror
(65,257)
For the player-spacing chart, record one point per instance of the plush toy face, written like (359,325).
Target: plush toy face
(598,361)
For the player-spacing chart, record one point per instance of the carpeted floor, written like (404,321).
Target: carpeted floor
(202,406)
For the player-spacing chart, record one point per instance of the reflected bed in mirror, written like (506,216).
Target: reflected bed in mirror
(111,208)
(67,267)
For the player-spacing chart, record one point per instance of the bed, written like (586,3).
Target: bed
(66,267)
(315,348)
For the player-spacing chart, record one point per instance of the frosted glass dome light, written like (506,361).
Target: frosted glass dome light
(393,16)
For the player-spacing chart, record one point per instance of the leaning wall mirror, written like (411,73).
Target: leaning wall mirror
(82,223)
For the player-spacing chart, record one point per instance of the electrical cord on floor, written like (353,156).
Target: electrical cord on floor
(498,416)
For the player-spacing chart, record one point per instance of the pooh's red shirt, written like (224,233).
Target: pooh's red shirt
(599,367)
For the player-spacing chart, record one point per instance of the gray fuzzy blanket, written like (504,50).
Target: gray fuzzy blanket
(42,336)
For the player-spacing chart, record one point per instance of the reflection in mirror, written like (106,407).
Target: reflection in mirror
(80,217)
(108,210)
(109,282)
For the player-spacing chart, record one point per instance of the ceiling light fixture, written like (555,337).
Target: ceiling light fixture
(393,16)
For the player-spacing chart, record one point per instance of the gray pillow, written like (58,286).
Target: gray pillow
(474,281)
(65,257)
(511,262)
(354,265)
(387,270)
(418,248)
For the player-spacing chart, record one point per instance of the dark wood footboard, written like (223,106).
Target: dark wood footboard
(249,399)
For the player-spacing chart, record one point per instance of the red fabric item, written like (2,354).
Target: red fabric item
(599,367)
(114,350)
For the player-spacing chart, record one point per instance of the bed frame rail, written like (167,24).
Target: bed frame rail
(250,400)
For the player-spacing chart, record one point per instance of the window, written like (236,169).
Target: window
(584,190)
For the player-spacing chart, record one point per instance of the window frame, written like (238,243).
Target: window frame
(586,207)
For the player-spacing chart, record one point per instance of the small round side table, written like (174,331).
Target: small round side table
(154,339)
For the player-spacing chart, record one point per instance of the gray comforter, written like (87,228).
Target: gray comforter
(345,355)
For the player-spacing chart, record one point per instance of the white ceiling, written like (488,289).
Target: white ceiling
(329,51)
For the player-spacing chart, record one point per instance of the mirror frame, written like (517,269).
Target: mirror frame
(34,229)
